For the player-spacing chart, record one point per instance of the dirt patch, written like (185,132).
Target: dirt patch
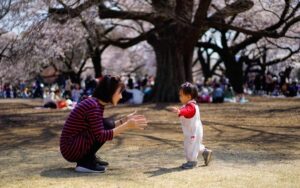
(255,145)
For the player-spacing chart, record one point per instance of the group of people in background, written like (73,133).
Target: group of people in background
(268,84)
(272,85)
(218,91)
(140,90)
(66,94)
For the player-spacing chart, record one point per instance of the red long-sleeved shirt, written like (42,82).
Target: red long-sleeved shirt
(83,126)
(188,111)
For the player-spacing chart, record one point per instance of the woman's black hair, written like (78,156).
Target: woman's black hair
(189,89)
(106,88)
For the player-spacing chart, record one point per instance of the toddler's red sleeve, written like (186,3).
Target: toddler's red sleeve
(188,111)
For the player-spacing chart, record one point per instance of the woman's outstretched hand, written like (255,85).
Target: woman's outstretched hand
(130,115)
(133,121)
(136,121)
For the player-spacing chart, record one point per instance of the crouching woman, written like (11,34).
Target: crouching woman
(85,129)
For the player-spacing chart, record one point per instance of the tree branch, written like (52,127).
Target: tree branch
(214,47)
(288,25)
(184,10)
(283,58)
(82,65)
(73,12)
(136,69)
(201,12)
(128,42)
(221,26)
(5,7)
(235,8)
(270,31)
(151,17)
(103,48)
(216,65)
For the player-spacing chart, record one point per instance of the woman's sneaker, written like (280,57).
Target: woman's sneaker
(100,161)
(207,156)
(90,168)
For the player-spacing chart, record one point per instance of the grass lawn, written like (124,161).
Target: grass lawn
(256,144)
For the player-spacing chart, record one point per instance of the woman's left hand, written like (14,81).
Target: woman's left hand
(133,116)
(137,122)
(130,115)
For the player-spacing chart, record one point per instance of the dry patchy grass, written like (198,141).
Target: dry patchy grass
(255,145)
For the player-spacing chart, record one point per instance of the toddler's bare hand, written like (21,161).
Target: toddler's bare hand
(174,109)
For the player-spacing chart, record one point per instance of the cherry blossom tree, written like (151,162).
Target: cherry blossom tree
(278,33)
(5,43)
(173,28)
(176,27)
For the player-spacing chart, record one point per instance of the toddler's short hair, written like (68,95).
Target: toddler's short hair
(189,89)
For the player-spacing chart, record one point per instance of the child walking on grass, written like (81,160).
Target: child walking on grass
(189,115)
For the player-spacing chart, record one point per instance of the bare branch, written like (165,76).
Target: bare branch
(136,69)
(127,26)
(267,32)
(184,10)
(221,26)
(131,15)
(73,12)
(82,65)
(235,8)
(212,46)
(278,46)
(128,42)
(4,7)
(283,58)
(201,12)
(288,25)
(272,12)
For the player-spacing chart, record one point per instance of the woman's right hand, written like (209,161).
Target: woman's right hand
(137,122)
(133,122)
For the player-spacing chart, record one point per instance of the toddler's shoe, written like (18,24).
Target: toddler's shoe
(189,165)
(207,156)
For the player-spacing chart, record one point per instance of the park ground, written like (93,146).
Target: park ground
(256,144)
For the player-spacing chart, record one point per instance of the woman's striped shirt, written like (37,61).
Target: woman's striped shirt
(82,128)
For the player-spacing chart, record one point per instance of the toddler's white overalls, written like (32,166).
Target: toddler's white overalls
(193,134)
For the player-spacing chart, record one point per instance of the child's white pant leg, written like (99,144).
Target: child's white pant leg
(186,149)
(201,146)
(192,147)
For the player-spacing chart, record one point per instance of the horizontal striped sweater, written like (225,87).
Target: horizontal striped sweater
(82,128)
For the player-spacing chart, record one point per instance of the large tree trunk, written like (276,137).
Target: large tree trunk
(75,77)
(96,59)
(234,72)
(174,67)
(205,65)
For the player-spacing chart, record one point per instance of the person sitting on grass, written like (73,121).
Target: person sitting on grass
(52,99)
(191,124)
(218,94)
(85,129)
(229,95)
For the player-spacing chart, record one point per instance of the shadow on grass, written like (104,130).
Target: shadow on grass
(69,172)
(161,171)
(64,173)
